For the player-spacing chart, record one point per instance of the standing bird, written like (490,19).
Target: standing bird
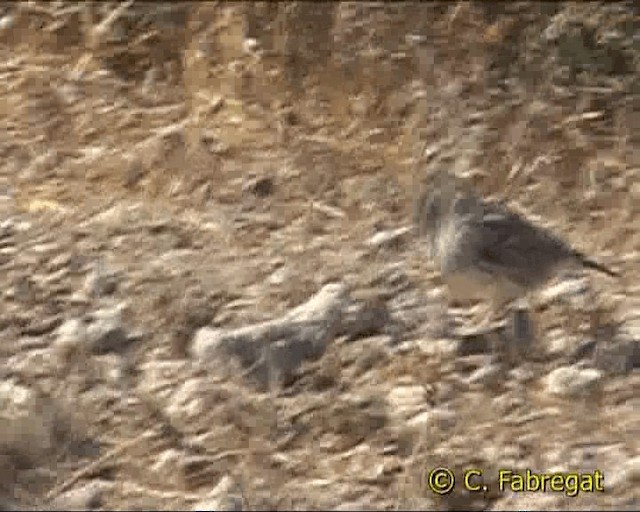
(485,250)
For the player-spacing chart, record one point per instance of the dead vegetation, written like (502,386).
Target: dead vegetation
(180,171)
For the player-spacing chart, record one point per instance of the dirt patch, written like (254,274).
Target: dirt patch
(173,169)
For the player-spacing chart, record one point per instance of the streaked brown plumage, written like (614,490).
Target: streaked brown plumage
(485,250)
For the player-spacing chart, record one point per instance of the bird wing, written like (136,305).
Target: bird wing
(509,244)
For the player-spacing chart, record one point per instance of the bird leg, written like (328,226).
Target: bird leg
(521,329)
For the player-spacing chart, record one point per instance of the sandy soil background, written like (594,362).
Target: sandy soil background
(210,299)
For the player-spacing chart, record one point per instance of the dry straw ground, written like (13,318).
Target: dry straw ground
(168,167)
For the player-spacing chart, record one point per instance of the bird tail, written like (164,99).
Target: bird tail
(596,266)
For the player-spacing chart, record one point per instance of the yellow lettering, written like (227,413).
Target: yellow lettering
(517,483)
(571,484)
(544,480)
(556,482)
(533,482)
(599,481)
(504,477)
(467,480)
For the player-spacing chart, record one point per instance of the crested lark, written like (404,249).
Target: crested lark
(485,250)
